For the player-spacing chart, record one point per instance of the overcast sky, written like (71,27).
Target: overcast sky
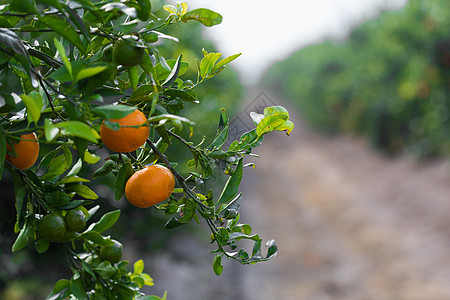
(267,31)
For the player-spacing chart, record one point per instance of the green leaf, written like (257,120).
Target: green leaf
(97,238)
(77,289)
(106,221)
(231,187)
(138,267)
(114,111)
(42,246)
(162,119)
(122,177)
(33,103)
(57,166)
(57,199)
(170,8)
(89,72)
(231,210)
(62,54)
(203,15)
(207,63)
(72,179)
(2,152)
(75,169)
(220,139)
(25,6)
(162,73)
(105,270)
(79,129)
(82,191)
(268,124)
(63,28)
(287,126)
(274,117)
(133,73)
(91,158)
(50,130)
(144,9)
(239,235)
(105,169)
(219,66)
(78,21)
(189,96)
(59,287)
(74,204)
(22,238)
(217,264)
(174,73)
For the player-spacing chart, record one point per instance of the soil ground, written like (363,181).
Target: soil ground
(350,223)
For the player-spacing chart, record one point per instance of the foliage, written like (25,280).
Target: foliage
(60,78)
(388,80)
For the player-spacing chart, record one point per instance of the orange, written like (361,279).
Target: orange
(26,151)
(126,139)
(149,186)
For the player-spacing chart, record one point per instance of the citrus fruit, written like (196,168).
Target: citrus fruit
(126,139)
(113,253)
(127,54)
(52,228)
(68,236)
(149,186)
(26,151)
(75,220)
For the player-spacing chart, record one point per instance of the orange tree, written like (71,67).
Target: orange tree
(74,72)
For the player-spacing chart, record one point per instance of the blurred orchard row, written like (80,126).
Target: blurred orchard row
(388,81)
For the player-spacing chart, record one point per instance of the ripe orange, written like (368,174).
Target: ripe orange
(26,151)
(149,186)
(126,139)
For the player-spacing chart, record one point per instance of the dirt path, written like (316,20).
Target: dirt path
(350,223)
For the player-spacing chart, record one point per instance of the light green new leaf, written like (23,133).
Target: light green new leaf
(89,72)
(276,111)
(219,66)
(217,264)
(170,8)
(138,267)
(62,54)
(91,158)
(79,129)
(275,118)
(287,126)
(203,15)
(33,103)
(268,124)
(207,63)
